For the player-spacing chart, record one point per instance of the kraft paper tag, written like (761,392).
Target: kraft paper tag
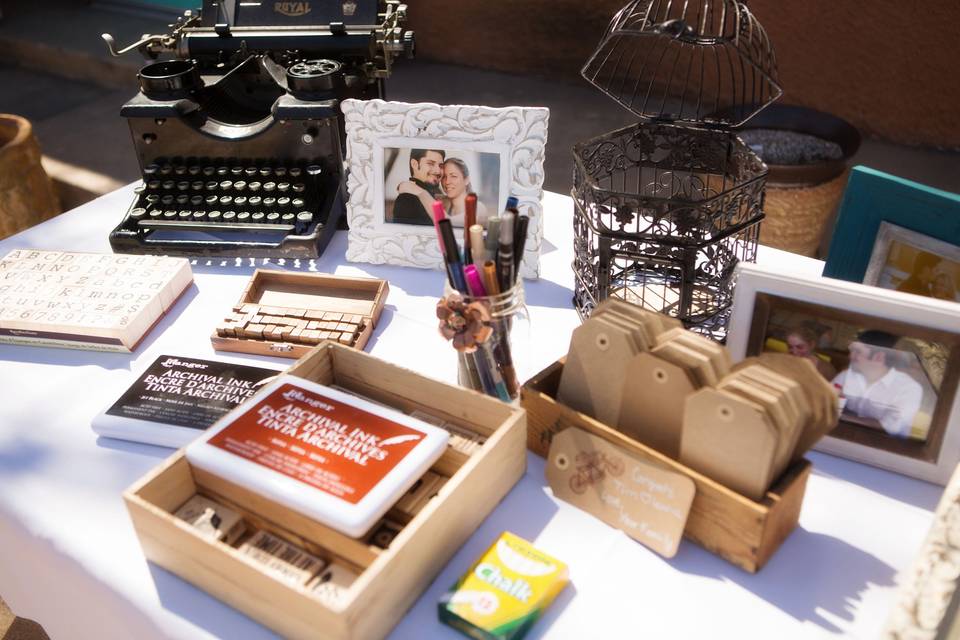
(648,503)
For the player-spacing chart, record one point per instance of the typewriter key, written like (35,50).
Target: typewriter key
(226,185)
(165,170)
(139,189)
(212,185)
(283,187)
(299,187)
(183,199)
(197,185)
(150,169)
(257,216)
(156,213)
(304,218)
(194,170)
(269,202)
(169,214)
(153,185)
(199,216)
(225,200)
(183,185)
(269,186)
(222,171)
(239,185)
(196,201)
(240,201)
(282,202)
(210,200)
(243,216)
(209,171)
(298,203)
(167,199)
(138,213)
(214,216)
(255,201)
(229,216)
(280,172)
(168,184)
(314,170)
(265,171)
(288,218)
(180,170)
(152,198)
(185,215)
(273,217)
(295,172)
(250,172)
(236,171)
(254,186)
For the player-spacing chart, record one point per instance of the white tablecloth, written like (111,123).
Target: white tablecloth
(69,557)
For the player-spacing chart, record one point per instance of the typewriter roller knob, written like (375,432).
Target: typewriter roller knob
(311,77)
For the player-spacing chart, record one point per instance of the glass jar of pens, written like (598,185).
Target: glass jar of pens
(483,303)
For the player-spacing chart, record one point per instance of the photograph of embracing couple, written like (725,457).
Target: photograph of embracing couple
(415,178)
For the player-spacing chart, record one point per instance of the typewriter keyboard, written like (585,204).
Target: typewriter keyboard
(206,195)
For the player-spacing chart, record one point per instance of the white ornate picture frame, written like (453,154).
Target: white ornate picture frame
(517,134)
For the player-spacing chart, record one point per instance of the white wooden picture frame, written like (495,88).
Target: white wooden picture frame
(839,298)
(517,134)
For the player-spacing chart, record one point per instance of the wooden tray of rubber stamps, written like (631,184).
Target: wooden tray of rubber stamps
(286,314)
(391,566)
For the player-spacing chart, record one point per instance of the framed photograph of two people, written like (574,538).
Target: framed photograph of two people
(403,157)
(893,358)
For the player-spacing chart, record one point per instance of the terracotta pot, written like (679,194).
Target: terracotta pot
(26,192)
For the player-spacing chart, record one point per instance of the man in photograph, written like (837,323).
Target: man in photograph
(875,389)
(426,169)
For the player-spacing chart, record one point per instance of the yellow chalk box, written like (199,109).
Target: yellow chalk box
(504,592)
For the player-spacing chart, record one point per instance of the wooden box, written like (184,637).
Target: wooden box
(742,531)
(287,314)
(391,579)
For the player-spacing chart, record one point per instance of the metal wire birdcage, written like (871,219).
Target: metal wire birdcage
(666,208)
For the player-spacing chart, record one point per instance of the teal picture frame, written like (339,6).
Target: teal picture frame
(873,197)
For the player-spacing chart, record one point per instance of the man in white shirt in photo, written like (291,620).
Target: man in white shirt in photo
(875,389)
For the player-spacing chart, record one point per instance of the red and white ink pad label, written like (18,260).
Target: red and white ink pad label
(335,457)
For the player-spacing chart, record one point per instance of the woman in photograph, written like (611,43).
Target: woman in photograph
(456,185)
(802,342)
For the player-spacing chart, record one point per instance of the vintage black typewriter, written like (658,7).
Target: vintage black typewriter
(237,125)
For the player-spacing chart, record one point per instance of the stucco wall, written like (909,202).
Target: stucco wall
(892,68)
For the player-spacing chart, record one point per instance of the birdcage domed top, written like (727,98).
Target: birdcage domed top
(700,62)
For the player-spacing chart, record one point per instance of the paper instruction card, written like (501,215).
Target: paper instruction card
(648,503)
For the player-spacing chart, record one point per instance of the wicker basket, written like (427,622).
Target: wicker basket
(797,215)
(26,192)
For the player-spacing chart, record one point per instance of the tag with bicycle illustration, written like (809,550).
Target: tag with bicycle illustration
(648,503)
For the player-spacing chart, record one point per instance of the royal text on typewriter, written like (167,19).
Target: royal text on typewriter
(237,124)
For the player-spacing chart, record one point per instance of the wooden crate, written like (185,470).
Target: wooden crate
(742,531)
(392,578)
(307,292)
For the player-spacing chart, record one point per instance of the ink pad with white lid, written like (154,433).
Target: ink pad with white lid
(337,458)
